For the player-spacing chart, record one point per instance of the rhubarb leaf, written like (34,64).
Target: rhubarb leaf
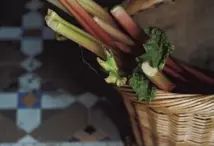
(143,88)
(110,66)
(157,50)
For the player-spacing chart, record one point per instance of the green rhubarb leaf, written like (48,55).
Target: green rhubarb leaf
(143,88)
(157,50)
(110,66)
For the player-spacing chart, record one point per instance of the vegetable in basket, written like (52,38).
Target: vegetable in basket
(111,67)
(157,50)
(101,41)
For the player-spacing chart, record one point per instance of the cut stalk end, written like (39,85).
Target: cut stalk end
(126,22)
(157,78)
(75,34)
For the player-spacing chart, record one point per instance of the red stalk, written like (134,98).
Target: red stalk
(157,77)
(173,73)
(73,6)
(123,47)
(126,22)
(173,64)
(79,19)
(199,75)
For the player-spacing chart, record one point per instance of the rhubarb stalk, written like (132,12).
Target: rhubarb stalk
(74,7)
(114,33)
(126,22)
(78,18)
(55,16)
(75,34)
(123,47)
(156,77)
(199,75)
(173,73)
(173,64)
(96,10)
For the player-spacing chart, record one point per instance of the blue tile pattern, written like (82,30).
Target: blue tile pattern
(36,99)
(30,103)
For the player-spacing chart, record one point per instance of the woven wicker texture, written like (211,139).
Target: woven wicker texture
(171,119)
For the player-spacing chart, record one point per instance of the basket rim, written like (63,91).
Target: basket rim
(160,94)
(175,103)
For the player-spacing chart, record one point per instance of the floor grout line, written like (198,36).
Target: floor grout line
(117,143)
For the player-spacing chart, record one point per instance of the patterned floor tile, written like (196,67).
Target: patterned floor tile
(34,5)
(49,113)
(10,114)
(88,99)
(90,134)
(103,122)
(62,126)
(10,33)
(8,77)
(30,64)
(29,100)
(33,20)
(28,119)
(68,144)
(32,46)
(57,100)
(58,65)
(11,132)
(55,116)
(31,33)
(27,139)
(29,82)
(8,101)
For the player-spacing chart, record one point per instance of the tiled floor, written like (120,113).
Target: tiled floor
(42,103)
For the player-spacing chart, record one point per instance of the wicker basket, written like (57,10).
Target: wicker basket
(171,119)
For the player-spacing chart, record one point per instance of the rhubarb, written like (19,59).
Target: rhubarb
(150,64)
(60,37)
(79,13)
(123,47)
(75,34)
(111,67)
(113,32)
(199,75)
(143,88)
(96,10)
(174,73)
(78,18)
(55,16)
(158,46)
(157,77)
(126,22)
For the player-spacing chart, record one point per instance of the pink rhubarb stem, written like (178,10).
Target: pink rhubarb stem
(123,47)
(173,64)
(126,22)
(79,19)
(201,76)
(73,5)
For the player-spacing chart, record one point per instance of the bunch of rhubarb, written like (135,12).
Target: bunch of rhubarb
(128,54)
